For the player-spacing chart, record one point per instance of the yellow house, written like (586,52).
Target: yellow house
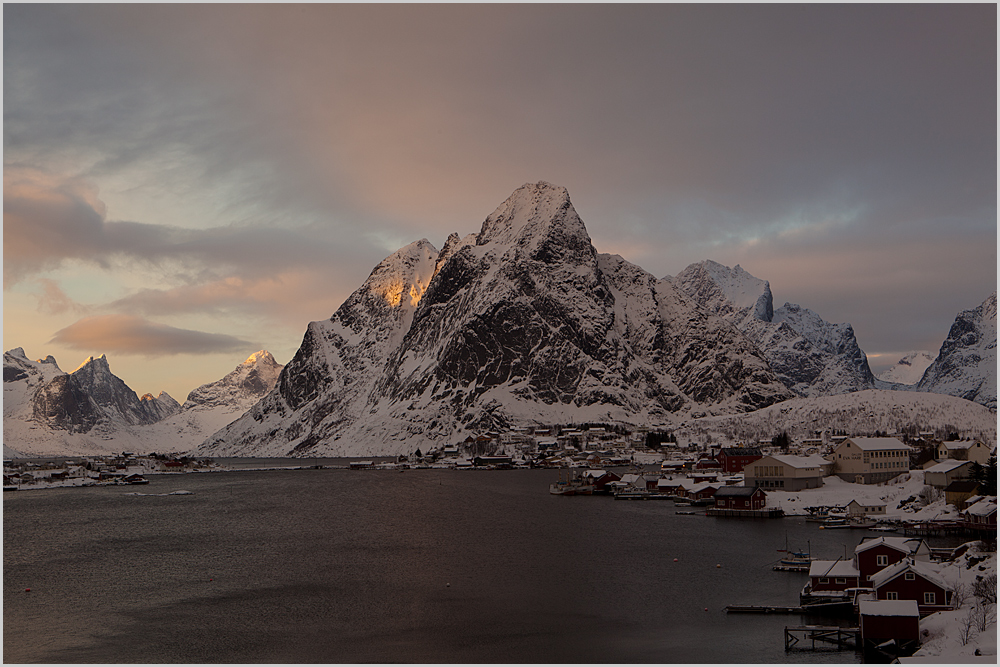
(870,460)
(964,450)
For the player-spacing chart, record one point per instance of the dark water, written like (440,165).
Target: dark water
(415,566)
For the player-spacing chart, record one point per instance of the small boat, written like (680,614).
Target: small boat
(847,523)
(571,486)
(686,512)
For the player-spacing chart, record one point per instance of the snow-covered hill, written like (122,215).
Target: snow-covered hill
(523,322)
(859,412)
(966,366)
(909,369)
(811,357)
(48,412)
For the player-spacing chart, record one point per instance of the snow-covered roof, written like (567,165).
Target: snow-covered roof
(889,608)
(947,466)
(984,507)
(833,568)
(921,569)
(907,545)
(801,461)
(960,444)
(878,444)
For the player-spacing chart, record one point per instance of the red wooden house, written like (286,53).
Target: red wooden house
(740,498)
(872,556)
(913,580)
(734,459)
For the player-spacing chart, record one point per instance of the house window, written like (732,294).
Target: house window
(882,560)
(824,580)
(841,580)
(909,576)
(891,595)
(930,598)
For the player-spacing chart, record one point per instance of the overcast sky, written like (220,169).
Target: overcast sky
(185,185)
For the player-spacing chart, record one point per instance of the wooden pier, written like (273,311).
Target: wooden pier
(769,513)
(830,638)
(790,568)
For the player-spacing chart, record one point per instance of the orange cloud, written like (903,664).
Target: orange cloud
(127,334)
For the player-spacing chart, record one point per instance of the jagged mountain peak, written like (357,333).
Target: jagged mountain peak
(723,290)
(811,356)
(241,387)
(17,352)
(967,362)
(261,356)
(96,364)
(534,212)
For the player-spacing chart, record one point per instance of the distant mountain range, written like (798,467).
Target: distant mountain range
(91,410)
(523,322)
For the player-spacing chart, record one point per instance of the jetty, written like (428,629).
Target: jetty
(830,637)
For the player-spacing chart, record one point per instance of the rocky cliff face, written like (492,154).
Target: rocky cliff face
(810,356)
(521,322)
(966,366)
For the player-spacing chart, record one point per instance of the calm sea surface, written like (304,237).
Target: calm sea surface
(415,566)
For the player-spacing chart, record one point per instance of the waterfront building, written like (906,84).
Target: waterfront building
(913,580)
(874,555)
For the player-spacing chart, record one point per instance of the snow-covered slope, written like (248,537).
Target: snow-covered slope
(859,412)
(211,406)
(909,369)
(966,366)
(520,323)
(48,412)
(811,357)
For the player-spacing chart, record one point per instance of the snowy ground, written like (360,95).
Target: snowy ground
(836,491)
(943,633)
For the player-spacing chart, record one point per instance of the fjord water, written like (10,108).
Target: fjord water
(415,566)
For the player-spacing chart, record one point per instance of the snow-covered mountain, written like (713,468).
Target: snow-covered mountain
(858,412)
(966,366)
(909,369)
(811,357)
(48,412)
(523,322)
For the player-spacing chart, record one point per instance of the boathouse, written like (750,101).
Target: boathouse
(832,576)
(740,498)
(913,580)
(884,620)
